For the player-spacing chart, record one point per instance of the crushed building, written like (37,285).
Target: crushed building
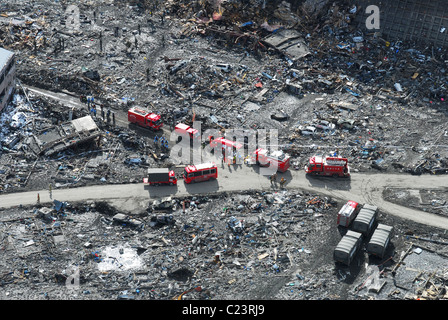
(7,76)
(66,135)
(327,85)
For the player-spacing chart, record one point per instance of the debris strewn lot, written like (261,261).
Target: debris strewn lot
(326,87)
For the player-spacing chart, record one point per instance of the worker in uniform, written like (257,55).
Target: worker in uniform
(156,138)
(273,178)
(161,140)
(282,182)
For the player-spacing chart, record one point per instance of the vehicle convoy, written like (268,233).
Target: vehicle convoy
(145,118)
(160,176)
(264,158)
(347,213)
(183,129)
(200,172)
(328,166)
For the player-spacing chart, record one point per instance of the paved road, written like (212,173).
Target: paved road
(363,188)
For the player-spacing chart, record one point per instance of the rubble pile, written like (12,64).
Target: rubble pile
(252,245)
(303,68)
(110,155)
(211,243)
(265,64)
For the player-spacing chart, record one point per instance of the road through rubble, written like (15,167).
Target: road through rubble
(363,188)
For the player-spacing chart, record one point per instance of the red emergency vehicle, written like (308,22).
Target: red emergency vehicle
(229,148)
(145,118)
(182,129)
(328,166)
(263,157)
(200,172)
(348,213)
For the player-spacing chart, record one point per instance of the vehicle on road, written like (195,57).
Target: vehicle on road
(145,118)
(328,166)
(264,158)
(200,172)
(160,176)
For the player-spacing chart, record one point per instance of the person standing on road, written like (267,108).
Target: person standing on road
(273,178)
(282,182)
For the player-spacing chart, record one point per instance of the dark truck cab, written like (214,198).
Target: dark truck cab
(160,176)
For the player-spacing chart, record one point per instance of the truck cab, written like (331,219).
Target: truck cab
(160,176)
(145,118)
(184,129)
(264,158)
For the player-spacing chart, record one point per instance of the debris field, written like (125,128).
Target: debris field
(303,68)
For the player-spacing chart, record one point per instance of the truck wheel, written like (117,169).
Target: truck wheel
(171,183)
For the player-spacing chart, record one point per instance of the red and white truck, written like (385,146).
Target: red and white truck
(145,118)
(184,129)
(348,213)
(160,176)
(200,172)
(265,158)
(328,166)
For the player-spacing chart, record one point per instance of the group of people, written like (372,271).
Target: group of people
(90,101)
(274,180)
(162,141)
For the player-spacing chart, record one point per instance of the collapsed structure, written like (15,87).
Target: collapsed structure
(323,84)
(7,77)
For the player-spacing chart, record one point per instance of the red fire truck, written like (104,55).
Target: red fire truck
(229,148)
(200,172)
(264,158)
(145,118)
(328,166)
(183,129)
